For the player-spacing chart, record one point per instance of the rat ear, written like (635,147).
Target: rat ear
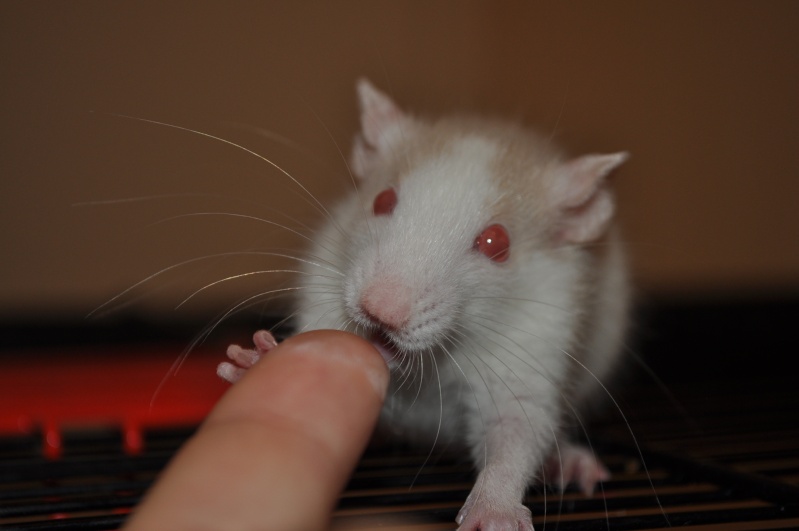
(381,120)
(583,197)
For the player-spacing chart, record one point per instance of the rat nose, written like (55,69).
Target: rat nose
(387,303)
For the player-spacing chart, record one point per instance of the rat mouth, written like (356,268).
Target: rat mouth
(386,347)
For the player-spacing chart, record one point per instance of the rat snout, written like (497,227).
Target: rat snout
(387,303)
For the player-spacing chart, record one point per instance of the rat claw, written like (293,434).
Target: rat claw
(244,358)
(264,341)
(229,372)
(479,513)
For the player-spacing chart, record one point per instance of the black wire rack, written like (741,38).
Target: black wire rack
(731,480)
(719,450)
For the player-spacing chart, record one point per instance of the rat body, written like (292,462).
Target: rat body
(484,266)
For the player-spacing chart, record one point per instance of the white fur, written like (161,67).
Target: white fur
(493,354)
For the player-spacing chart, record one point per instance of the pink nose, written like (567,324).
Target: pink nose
(387,302)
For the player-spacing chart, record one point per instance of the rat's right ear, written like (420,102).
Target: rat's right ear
(381,121)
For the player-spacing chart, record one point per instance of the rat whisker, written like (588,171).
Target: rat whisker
(200,338)
(440,420)
(270,135)
(318,204)
(196,260)
(234,215)
(238,276)
(145,198)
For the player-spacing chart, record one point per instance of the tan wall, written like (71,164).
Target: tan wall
(704,95)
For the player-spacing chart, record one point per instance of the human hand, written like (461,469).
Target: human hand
(278,448)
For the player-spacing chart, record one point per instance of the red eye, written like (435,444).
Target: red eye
(494,242)
(385,202)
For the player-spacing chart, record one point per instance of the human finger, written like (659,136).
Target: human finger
(279,446)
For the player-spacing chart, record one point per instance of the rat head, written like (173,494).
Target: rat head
(454,214)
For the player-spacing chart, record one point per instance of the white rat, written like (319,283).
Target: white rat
(484,266)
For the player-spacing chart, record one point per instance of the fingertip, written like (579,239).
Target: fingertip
(349,351)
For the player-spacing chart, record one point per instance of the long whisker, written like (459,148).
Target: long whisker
(560,115)
(246,303)
(234,215)
(683,411)
(178,363)
(194,260)
(440,419)
(144,198)
(271,135)
(184,195)
(311,239)
(333,140)
(318,203)
(629,428)
(240,275)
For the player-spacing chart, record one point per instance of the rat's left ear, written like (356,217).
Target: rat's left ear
(583,198)
(381,122)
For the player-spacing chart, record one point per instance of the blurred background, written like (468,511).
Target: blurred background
(703,95)
(105,213)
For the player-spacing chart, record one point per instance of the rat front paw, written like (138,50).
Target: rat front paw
(479,514)
(243,358)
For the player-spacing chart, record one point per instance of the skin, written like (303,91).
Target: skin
(277,449)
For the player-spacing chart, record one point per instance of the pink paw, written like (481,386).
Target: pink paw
(578,465)
(485,516)
(243,359)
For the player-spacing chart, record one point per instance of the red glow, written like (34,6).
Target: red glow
(53,390)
